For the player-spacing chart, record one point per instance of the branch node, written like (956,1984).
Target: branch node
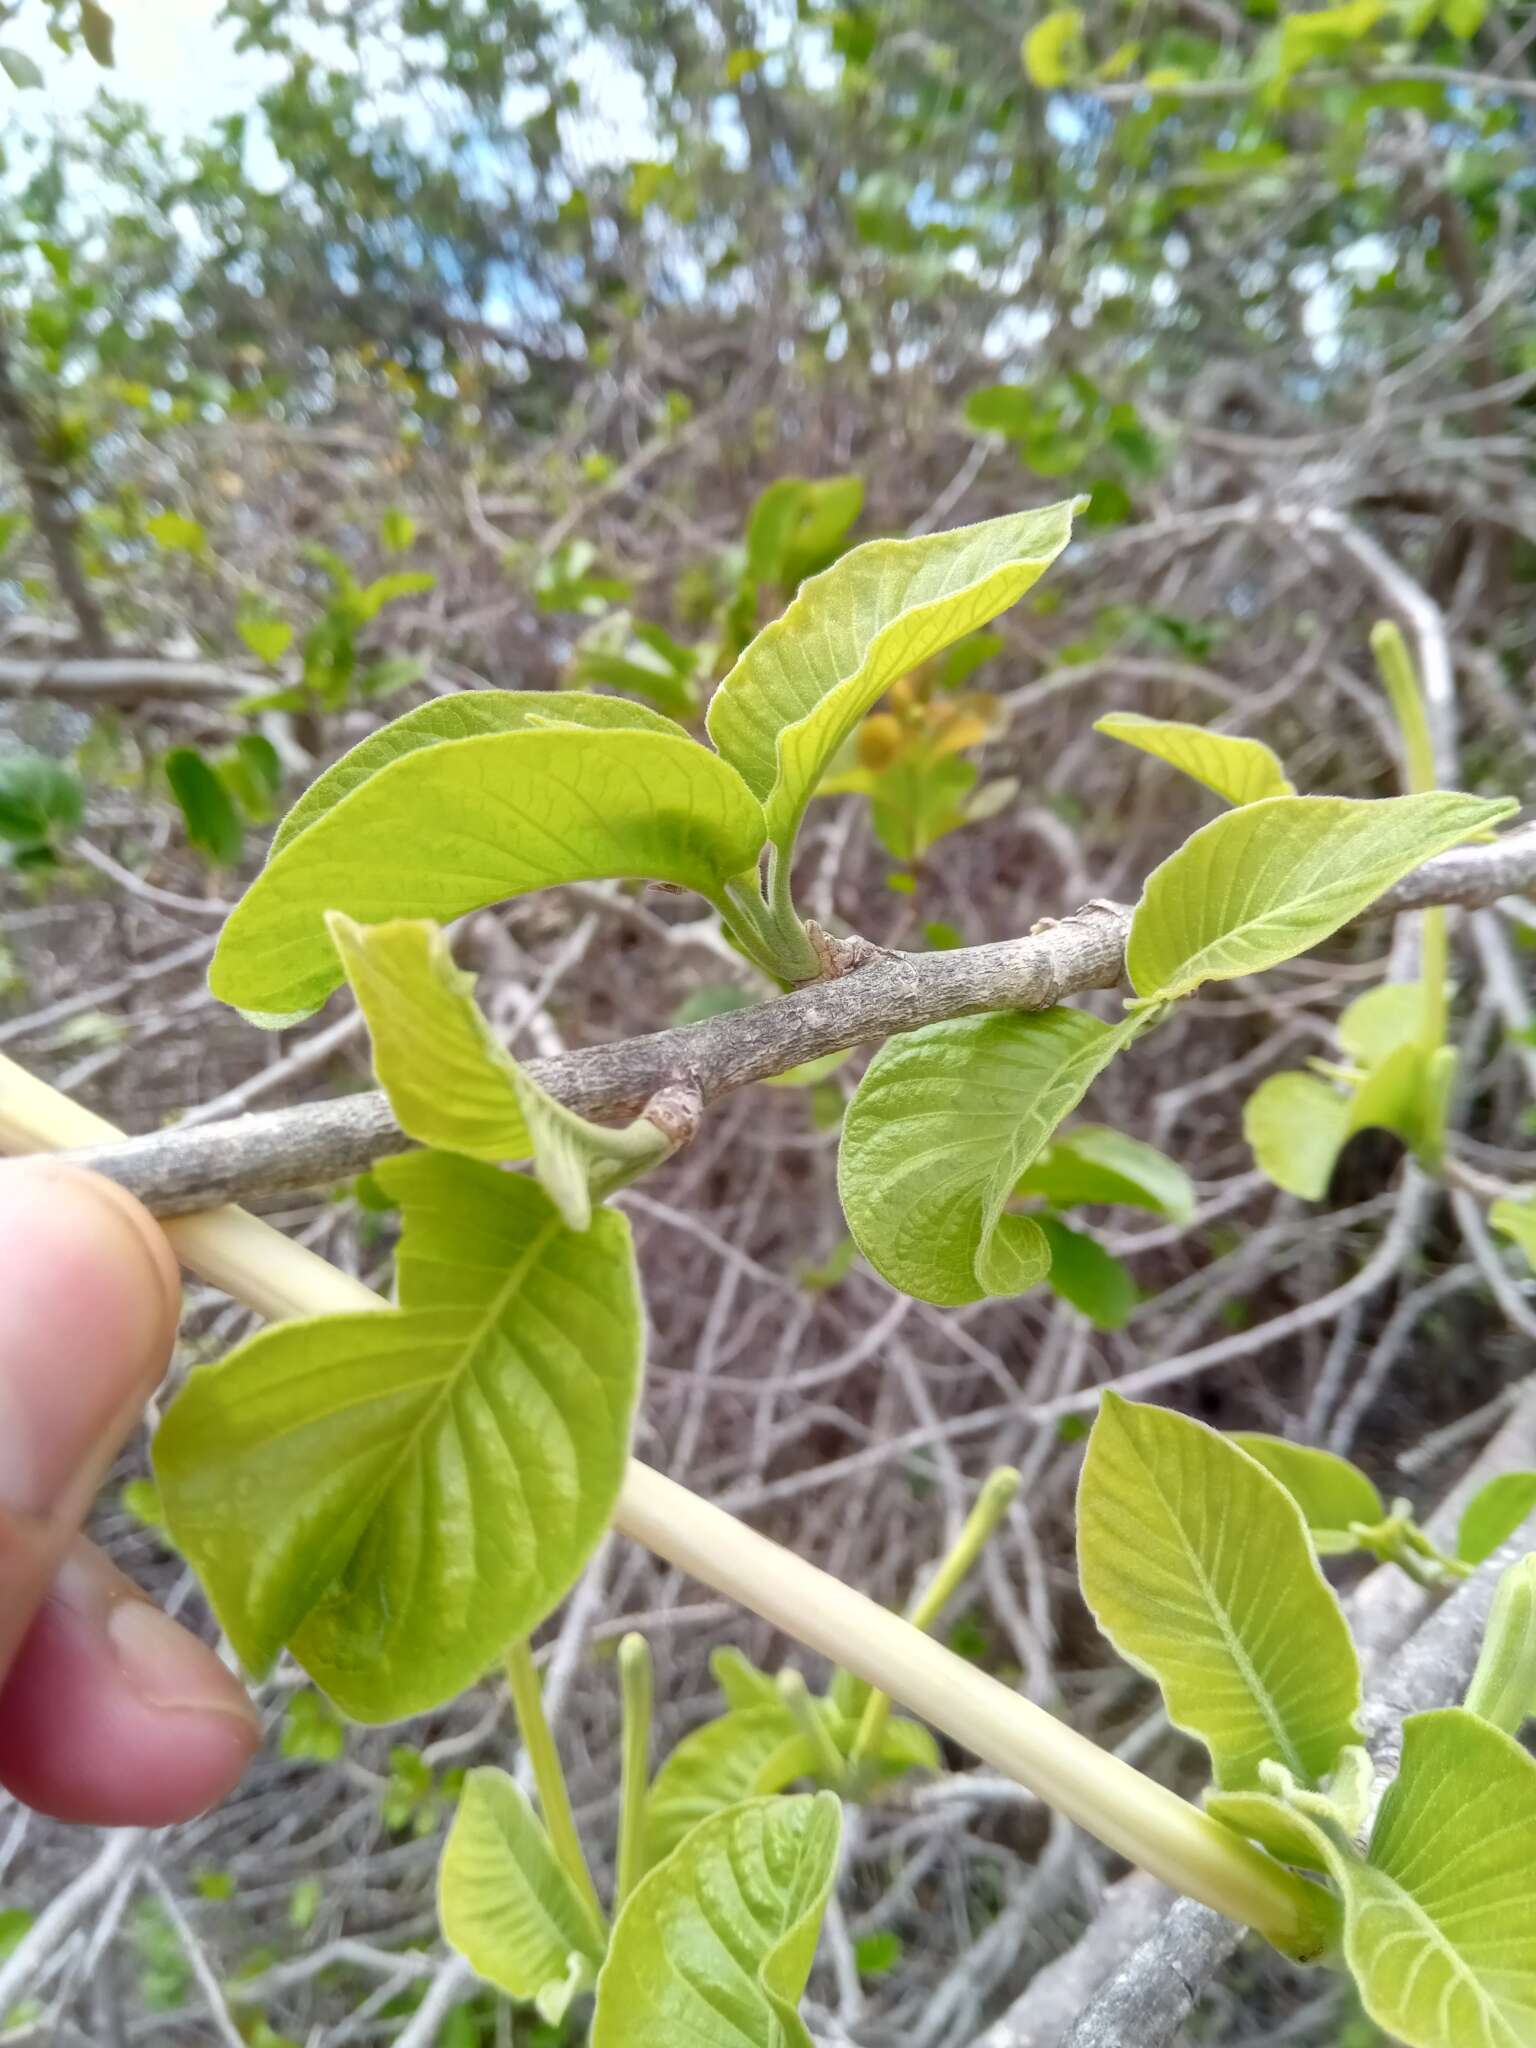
(677,1111)
(840,955)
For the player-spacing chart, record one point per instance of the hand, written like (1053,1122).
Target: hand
(109,1711)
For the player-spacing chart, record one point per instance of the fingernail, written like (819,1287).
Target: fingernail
(86,1322)
(169,1669)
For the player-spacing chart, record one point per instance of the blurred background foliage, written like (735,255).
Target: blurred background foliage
(497,344)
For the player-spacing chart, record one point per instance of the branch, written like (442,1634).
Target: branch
(52,514)
(124,679)
(177,1172)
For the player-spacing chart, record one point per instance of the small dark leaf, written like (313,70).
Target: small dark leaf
(213,823)
(97,27)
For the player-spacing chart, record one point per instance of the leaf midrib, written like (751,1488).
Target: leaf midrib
(1267,1706)
(495,1309)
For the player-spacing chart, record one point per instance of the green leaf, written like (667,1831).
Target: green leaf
(805,682)
(1196,1564)
(744,1754)
(1093,1164)
(1503,1687)
(715,1945)
(1240,771)
(397,530)
(798,526)
(451,1084)
(97,28)
(1275,878)
(1053,51)
(39,798)
(1297,1126)
(1393,1095)
(1493,1514)
(398,1495)
(1438,1929)
(875,1954)
(507,1905)
(1515,1220)
(467,716)
(1380,1021)
(1090,1278)
(268,639)
(20,69)
(740,1681)
(942,1125)
(213,824)
(1330,1492)
(1264,1819)
(453,824)
(366,604)
(176,533)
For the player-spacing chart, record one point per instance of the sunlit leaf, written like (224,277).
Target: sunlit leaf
(1330,1492)
(1517,1220)
(502,812)
(1297,1126)
(747,1753)
(1240,770)
(805,682)
(1092,1163)
(507,1905)
(397,1495)
(1438,1929)
(1273,879)
(176,533)
(450,1082)
(1053,50)
(942,1125)
(1381,1020)
(1196,1564)
(715,1945)
(1493,1514)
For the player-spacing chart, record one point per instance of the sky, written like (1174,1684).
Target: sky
(170,54)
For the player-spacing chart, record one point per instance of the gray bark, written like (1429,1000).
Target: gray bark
(177,1172)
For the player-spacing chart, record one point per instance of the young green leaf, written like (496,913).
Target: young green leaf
(470,715)
(1275,1826)
(39,798)
(715,1946)
(1087,1276)
(1438,1929)
(451,1084)
(1517,1220)
(1296,1126)
(449,827)
(748,1753)
(213,824)
(1277,877)
(1493,1514)
(1239,770)
(804,683)
(507,1905)
(740,1682)
(943,1124)
(1381,1020)
(1093,1164)
(399,1495)
(1330,1492)
(1503,1688)
(1196,1564)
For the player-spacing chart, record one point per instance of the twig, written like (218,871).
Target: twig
(177,1172)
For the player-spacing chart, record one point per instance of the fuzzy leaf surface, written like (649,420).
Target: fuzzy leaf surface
(398,1495)
(1241,771)
(804,683)
(1330,1492)
(1277,877)
(1197,1566)
(1093,1164)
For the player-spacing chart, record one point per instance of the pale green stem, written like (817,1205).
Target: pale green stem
(548,1777)
(1401,682)
(1503,1688)
(997,1494)
(768,926)
(637,1689)
(830,1767)
(1131,1814)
